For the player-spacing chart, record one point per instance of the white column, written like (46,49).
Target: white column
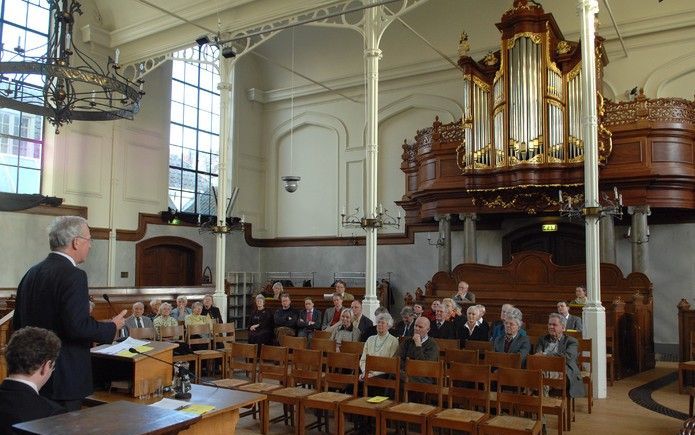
(607,230)
(226,88)
(372,54)
(469,241)
(639,237)
(594,314)
(444,235)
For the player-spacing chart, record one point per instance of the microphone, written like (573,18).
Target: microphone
(123,332)
(181,369)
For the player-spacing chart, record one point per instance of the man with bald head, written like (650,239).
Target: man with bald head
(419,346)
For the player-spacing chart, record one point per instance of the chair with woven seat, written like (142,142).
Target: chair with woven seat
(469,387)
(292,344)
(585,362)
(325,345)
(198,336)
(466,356)
(481,346)
(272,365)
(686,367)
(304,381)
(412,412)
(322,335)
(342,374)
(518,391)
(352,347)
(142,333)
(444,343)
(240,358)
(223,333)
(389,378)
(554,371)
(176,334)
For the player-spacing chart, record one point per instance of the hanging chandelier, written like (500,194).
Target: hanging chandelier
(49,86)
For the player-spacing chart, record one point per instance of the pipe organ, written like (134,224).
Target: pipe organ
(522,104)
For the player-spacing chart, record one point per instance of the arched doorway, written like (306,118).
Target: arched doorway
(168,261)
(567,244)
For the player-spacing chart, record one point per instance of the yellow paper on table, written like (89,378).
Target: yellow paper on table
(377,399)
(197,409)
(129,354)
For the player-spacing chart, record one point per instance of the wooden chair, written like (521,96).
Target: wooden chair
(201,335)
(322,335)
(554,371)
(445,343)
(390,367)
(293,343)
(518,391)
(352,347)
(584,361)
(342,371)
(323,344)
(466,356)
(481,346)
(177,334)
(240,357)
(272,366)
(411,412)
(610,348)
(305,380)
(686,366)
(469,384)
(223,333)
(142,333)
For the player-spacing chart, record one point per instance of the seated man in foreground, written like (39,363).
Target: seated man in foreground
(419,346)
(31,355)
(556,343)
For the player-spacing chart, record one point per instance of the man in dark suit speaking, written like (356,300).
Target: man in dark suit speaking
(54,295)
(30,355)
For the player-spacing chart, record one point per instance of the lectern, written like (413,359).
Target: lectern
(109,368)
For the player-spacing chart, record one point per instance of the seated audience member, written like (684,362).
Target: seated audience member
(210,310)
(154,308)
(512,341)
(579,296)
(556,343)
(309,319)
(285,319)
(361,322)
(164,319)
(332,315)
(571,322)
(417,309)
(372,329)
(340,288)
(406,327)
(261,324)
(472,330)
(30,356)
(441,327)
(197,318)
(278,290)
(463,296)
(138,319)
(481,319)
(181,310)
(432,312)
(419,347)
(380,344)
(455,315)
(345,330)
(497,327)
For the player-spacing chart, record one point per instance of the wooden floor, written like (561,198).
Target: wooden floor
(615,415)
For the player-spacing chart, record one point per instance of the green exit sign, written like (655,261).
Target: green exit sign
(546,228)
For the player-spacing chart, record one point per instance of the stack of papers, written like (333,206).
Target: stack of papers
(180,405)
(126,344)
(377,399)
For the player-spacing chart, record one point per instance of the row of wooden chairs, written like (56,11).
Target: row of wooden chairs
(206,345)
(313,374)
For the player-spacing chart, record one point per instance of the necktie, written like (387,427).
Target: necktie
(405,331)
(308,315)
(138,322)
(439,325)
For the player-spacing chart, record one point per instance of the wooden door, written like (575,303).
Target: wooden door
(567,244)
(168,261)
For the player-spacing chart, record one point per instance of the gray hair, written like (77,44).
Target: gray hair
(346,310)
(164,305)
(381,310)
(181,298)
(197,304)
(407,311)
(260,296)
(560,317)
(515,315)
(139,303)
(473,308)
(64,229)
(386,317)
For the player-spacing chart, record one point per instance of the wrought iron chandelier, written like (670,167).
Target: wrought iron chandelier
(48,85)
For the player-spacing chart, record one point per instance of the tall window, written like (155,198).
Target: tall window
(23,30)
(194,133)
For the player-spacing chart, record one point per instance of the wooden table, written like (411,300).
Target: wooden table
(117,418)
(222,420)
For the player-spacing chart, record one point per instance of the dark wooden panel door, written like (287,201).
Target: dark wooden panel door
(168,261)
(567,244)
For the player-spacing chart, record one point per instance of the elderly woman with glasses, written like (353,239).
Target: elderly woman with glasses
(346,331)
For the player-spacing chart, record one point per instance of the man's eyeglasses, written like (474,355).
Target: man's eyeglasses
(89,239)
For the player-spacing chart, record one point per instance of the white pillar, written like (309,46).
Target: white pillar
(444,249)
(372,54)
(607,231)
(639,237)
(469,243)
(594,314)
(226,88)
